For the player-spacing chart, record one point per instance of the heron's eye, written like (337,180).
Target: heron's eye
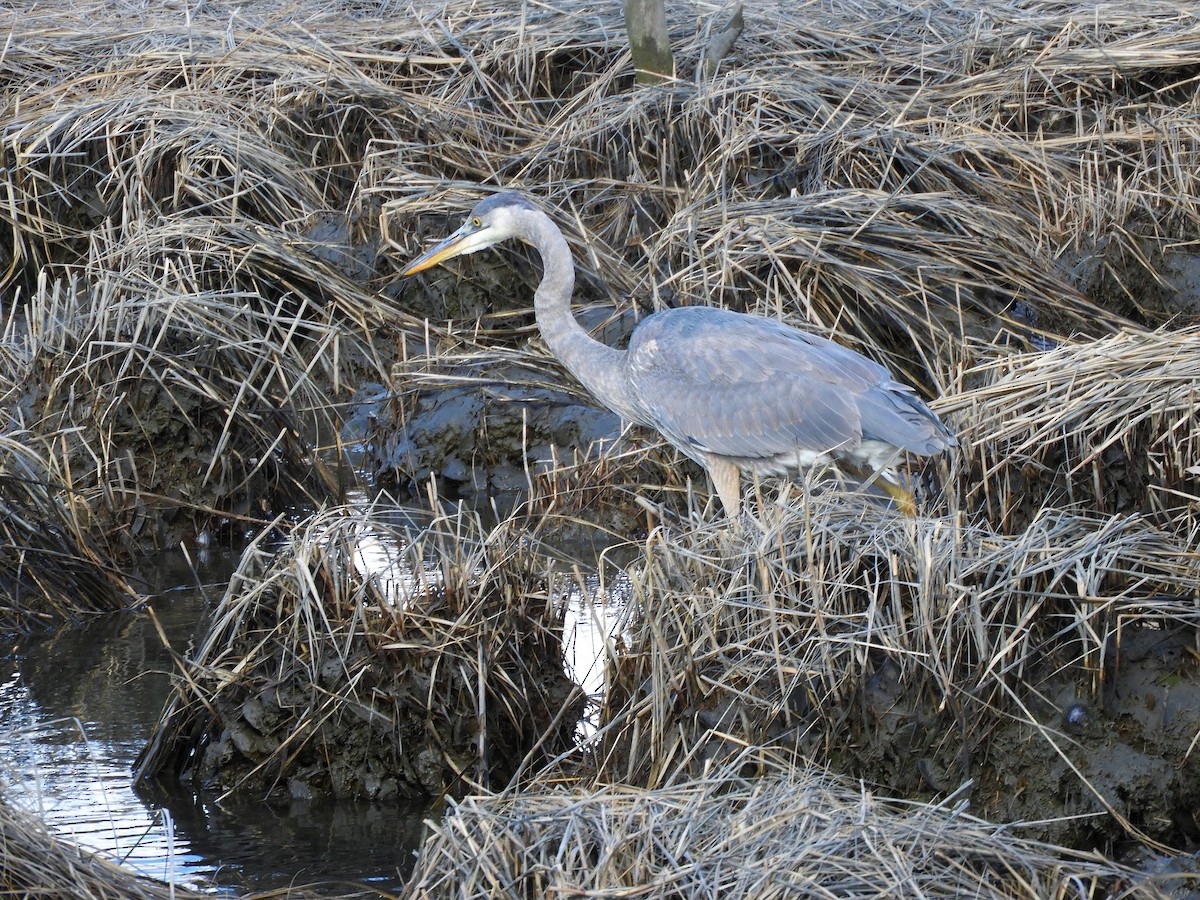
(476,222)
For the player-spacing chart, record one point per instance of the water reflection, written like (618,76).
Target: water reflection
(262,847)
(596,610)
(79,705)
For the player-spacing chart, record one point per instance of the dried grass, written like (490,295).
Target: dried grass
(841,633)
(156,401)
(50,569)
(1110,425)
(38,865)
(746,830)
(367,657)
(191,305)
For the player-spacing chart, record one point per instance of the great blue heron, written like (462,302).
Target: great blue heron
(736,393)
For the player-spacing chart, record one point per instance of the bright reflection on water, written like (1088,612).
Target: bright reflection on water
(596,602)
(77,708)
(379,555)
(595,614)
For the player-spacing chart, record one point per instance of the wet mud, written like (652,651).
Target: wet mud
(1122,741)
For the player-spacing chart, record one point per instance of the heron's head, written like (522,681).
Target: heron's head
(490,222)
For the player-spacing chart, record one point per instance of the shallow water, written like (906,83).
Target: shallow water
(78,706)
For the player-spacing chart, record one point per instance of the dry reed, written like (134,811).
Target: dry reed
(1110,425)
(367,657)
(38,865)
(745,830)
(895,650)
(50,568)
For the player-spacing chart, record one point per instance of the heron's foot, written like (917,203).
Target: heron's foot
(892,483)
(904,499)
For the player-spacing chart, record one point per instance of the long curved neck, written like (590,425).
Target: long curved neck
(599,368)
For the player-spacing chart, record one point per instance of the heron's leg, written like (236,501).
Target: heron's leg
(727,479)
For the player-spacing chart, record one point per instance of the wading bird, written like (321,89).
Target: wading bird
(736,393)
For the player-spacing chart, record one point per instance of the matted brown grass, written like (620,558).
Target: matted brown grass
(1108,425)
(205,209)
(745,830)
(50,568)
(368,657)
(897,650)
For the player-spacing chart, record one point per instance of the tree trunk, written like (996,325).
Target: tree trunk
(646,24)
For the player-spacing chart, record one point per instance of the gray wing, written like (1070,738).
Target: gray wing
(742,386)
